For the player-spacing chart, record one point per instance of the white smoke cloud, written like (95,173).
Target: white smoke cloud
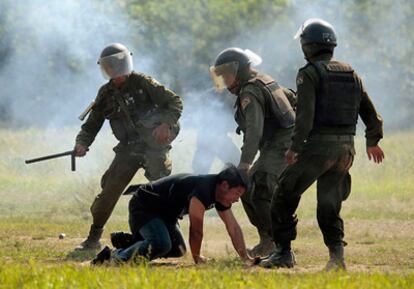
(49,74)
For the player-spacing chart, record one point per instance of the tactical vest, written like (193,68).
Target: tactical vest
(133,116)
(278,110)
(338,96)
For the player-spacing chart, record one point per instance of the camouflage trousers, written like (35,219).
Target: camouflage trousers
(328,164)
(265,173)
(128,160)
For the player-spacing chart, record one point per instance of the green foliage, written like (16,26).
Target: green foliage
(187,35)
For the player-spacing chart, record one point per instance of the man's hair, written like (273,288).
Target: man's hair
(234,177)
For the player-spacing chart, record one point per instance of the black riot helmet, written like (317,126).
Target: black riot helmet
(316,36)
(235,61)
(115,60)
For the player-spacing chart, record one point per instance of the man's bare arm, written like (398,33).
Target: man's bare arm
(235,232)
(196,213)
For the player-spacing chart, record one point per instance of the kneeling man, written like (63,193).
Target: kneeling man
(155,208)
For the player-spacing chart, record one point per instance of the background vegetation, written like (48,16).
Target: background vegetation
(48,73)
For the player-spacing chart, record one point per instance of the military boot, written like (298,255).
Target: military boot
(282,257)
(336,258)
(92,242)
(264,248)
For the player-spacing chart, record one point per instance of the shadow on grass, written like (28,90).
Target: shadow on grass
(81,256)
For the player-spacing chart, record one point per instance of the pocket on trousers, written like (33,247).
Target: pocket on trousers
(347,187)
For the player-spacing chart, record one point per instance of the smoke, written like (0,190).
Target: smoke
(48,71)
(375,37)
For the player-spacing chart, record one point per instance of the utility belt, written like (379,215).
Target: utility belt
(331,137)
(132,142)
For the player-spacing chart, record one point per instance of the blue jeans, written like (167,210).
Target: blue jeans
(159,240)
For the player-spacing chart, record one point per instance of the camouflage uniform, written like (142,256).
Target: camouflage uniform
(254,119)
(326,120)
(133,111)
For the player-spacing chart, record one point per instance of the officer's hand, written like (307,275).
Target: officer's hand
(162,133)
(80,150)
(375,153)
(291,157)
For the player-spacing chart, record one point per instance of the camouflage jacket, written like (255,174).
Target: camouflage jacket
(147,104)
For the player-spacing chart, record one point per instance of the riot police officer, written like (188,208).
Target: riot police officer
(331,96)
(143,115)
(265,116)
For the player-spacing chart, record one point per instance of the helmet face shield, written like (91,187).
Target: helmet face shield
(303,26)
(116,65)
(224,75)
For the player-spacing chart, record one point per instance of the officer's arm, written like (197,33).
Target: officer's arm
(254,128)
(196,213)
(305,110)
(170,103)
(371,119)
(235,232)
(92,125)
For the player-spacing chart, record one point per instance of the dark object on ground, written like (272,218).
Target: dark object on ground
(104,255)
(121,240)
(281,258)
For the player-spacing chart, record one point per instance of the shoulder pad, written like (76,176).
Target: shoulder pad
(338,66)
(311,70)
(149,79)
(263,78)
(249,88)
(306,66)
(102,92)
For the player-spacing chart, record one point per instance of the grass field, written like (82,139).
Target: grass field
(40,201)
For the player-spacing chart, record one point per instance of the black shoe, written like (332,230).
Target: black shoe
(88,245)
(280,258)
(121,240)
(92,242)
(264,248)
(104,255)
(336,258)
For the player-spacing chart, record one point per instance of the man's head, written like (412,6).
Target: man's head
(115,61)
(231,66)
(232,183)
(316,37)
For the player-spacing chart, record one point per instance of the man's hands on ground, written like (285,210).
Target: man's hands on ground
(200,259)
(80,150)
(375,153)
(162,133)
(250,262)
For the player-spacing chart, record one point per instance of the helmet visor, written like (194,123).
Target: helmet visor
(255,59)
(224,75)
(116,65)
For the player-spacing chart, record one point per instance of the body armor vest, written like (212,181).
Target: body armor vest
(278,111)
(277,108)
(338,96)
